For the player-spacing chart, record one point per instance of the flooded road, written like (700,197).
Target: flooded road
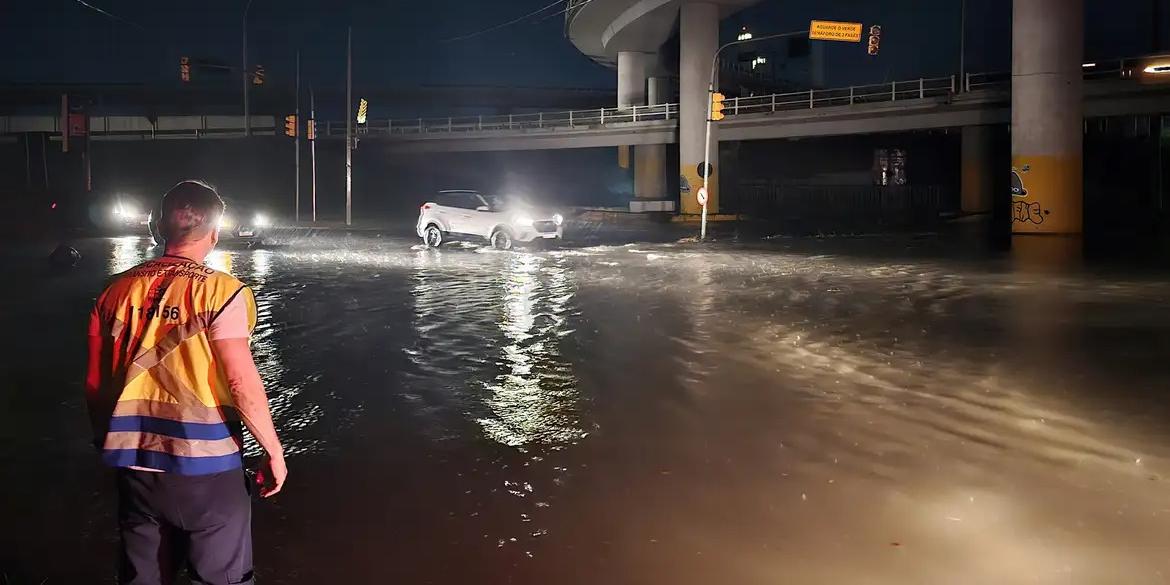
(777,412)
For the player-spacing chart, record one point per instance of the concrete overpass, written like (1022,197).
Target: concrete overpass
(1047,101)
(919,104)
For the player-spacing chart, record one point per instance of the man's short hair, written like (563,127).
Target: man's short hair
(189,211)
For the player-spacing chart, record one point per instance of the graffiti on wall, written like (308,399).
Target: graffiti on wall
(1023,209)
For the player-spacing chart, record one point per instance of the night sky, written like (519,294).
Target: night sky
(398,44)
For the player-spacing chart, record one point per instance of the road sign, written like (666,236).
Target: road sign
(702,196)
(829,30)
(704,169)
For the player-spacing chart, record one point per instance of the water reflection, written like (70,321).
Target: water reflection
(220,260)
(765,414)
(127,252)
(534,399)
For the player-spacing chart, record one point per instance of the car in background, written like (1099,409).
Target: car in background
(467,214)
(244,223)
(240,222)
(125,215)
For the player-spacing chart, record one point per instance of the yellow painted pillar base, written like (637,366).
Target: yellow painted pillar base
(1047,194)
(689,183)
(1047,252)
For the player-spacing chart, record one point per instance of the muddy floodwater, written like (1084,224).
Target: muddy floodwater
(784,411)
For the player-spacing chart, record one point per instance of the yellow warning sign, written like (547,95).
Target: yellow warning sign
(828,30)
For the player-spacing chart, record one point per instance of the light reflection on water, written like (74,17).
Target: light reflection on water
(127,252)
(686,414)
(534,399)
(489,329)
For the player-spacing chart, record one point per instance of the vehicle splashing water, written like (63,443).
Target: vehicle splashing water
(652,413)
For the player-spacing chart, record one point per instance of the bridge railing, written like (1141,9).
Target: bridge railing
(527,121)
(1110,69)
(845,96)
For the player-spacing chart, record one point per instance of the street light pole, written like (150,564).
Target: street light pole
(710,95)
(244,69)
(349,127)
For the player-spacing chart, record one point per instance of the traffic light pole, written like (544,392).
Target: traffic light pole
(707,153)
(297,142)
(313,149)
(707,169)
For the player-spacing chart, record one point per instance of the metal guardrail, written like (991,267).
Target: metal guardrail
(540,120)
(922,88)
(846,96)
(815,98)
(839,207)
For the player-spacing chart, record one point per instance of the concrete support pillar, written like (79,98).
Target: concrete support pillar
(698,40)
(658,90)
(1047,117)
(977,169)
(631,87)
(650,171)
(650,159)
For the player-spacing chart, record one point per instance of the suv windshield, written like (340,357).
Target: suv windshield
(495,202)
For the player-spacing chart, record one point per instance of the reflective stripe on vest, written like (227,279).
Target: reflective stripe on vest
(174,410)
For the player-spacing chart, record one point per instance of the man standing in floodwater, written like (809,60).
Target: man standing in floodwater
(170,379)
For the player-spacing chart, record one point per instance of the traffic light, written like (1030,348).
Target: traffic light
(311,129)
(185,69)
(258,75)
(290,125)
(361,116)
(875,39)
(717,106)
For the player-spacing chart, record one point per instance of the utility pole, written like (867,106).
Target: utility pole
(349,127)
(297,141)
(244,70)
(963,46)
(313,149)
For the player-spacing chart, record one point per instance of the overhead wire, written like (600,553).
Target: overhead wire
(502,24)
(567,8)
(113,16)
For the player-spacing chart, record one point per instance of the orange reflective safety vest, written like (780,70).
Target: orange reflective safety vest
(174,411)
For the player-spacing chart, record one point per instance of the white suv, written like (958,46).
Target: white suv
(468,214)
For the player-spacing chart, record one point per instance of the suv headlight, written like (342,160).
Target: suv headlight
(558,219)
(260,220)
(523,221)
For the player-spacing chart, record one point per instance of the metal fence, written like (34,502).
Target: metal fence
(817,208)
(540,120)
(845,96)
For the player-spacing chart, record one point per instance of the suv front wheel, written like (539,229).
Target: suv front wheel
(433,236)
(501,240)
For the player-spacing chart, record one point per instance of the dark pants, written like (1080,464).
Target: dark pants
(166,520)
